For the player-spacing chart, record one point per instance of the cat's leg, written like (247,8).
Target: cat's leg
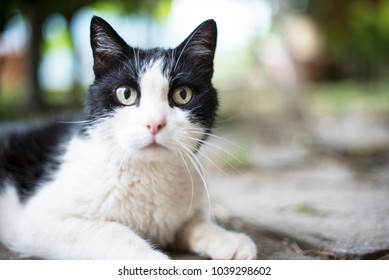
(78,238)
(210,240)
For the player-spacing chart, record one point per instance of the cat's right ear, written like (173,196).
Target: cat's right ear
(201,43)
(107,46)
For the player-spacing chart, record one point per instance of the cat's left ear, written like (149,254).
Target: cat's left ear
(201,43)
(107,46)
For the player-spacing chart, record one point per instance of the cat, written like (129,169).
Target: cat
(126,181)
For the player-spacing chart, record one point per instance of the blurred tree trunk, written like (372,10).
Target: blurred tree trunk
(34,94)
(284,73)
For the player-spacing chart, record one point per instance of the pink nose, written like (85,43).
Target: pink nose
(155,127)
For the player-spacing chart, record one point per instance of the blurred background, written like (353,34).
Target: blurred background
(316,72)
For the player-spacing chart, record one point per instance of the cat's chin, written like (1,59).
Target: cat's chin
(154,146)
(153,152)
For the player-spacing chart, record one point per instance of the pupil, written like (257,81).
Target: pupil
(183,94)
(127,93)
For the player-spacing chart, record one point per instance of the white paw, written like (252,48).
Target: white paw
(228,246)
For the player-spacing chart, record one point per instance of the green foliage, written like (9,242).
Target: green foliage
(152,8)
(369,24)
(348,97)
(57,35)
(356,32)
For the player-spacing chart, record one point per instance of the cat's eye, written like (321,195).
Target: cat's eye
(182,95)
(126,95)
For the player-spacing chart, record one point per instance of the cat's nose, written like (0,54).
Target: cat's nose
(155,127)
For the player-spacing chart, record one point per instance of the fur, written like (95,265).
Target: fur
(126,181)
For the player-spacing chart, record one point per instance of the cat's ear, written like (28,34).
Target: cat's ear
(201,43)
(107,46)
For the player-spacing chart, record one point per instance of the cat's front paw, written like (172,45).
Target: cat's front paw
(228,246)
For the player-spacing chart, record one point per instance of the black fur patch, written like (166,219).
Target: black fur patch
(31,156)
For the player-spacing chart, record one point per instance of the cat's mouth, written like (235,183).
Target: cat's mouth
(154,146)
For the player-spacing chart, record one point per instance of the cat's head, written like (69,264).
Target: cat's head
(149,103)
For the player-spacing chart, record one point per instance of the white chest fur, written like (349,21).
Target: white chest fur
(153,198)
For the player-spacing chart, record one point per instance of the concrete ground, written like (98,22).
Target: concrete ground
(298,202)
(324,201)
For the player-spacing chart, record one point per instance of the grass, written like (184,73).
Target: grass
(349,97)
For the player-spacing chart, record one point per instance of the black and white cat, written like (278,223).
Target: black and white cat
(127,180)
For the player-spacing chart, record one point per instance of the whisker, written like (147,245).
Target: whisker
(74,122)
(199,106)
(233,117)
(226,162)
(199,168)
(172,54)
(203,130)
(117,154)
(88,122)
(124,160)
(217,137)
(213,163)
(196,160)
(191,180)
(206,143)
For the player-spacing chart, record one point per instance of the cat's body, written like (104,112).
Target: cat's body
(127,180)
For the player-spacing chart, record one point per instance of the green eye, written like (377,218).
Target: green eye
(182,95)
(126,95)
